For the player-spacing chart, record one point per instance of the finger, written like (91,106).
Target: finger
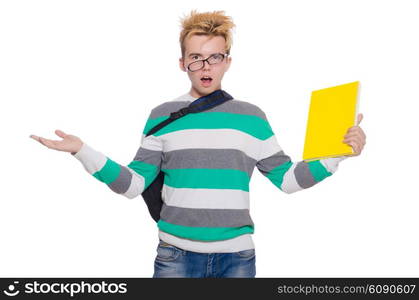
(38,139)
(355,148)
(359,119)
(35,137)
(356,140)
(357,131)
(60,133)
(364,136)
(355,128)
(355,137)
(356,145)
(44,142)
(350,139)
(351,135)
(48,143)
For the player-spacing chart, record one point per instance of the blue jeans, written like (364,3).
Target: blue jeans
(172,261)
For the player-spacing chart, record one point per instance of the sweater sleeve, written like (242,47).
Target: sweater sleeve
(130,180)
(291,176)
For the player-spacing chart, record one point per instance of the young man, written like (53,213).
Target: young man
(207,158)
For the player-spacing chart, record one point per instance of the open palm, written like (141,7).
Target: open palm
(69,143)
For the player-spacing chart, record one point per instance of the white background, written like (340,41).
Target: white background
(95,69)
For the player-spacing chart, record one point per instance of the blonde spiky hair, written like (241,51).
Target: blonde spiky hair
(208,23)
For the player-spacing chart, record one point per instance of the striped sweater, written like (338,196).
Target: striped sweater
(208,159)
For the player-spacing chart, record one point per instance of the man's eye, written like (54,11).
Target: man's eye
(195,57)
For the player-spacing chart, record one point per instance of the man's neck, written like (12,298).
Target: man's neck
(195,94)
(190,94)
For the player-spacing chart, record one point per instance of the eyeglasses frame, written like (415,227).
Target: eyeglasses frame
(207,60)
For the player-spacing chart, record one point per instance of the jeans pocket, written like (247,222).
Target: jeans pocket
(249,253)
(167,252)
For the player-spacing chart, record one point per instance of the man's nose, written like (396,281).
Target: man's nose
(206,64)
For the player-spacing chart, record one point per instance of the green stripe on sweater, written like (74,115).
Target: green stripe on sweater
(318,170)
(204,233)
(249,124)
(207,178)
(276,175)
(109,172)
(148,171)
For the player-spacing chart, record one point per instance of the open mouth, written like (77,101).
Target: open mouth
(206,80)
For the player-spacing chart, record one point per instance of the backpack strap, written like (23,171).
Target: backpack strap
(201,104)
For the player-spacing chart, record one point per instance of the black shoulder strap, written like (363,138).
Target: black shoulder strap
(203,103)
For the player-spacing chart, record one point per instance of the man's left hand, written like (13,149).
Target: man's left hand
(355,137)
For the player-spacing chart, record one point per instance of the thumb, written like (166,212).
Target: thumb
(359,119)
(60,133)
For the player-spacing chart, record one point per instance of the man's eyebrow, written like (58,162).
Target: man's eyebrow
(200,54)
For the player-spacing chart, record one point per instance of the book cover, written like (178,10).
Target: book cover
(332,112)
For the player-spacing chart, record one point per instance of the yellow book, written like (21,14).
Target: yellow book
(332,112)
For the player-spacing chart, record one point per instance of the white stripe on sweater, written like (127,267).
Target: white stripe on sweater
(269,147)
(289,183)
(212,139)
(239,243)
(331,164)
(205,198)
(91,159)
(136,186)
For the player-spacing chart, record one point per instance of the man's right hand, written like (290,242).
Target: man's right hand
(70,143)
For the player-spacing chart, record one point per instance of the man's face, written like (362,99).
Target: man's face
(200,47)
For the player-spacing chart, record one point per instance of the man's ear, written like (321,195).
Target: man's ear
(228,63)
(181,64)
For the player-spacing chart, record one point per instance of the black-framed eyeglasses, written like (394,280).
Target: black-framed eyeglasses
(215,58)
